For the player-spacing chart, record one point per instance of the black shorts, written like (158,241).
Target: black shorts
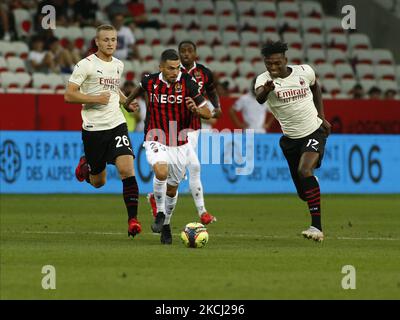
(102,147)
(314,142)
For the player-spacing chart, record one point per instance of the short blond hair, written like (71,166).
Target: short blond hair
(104,27)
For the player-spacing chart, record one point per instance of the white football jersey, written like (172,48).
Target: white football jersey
(291,102)
(95,76)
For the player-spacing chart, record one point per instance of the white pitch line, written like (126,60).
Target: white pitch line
(214,235)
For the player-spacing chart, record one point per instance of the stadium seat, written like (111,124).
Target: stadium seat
(347,85)
(362,56)
(5,48)
(14,90)
(312,40)
(20,49)
(24,79)
(205,54)
(269,36)
(232,86)
(311,25)
(385,72)
(89,33)
(170,6)
(158,50)
(245,8)
(382,56)
(331,86)
(367,84)
(104,3)
(344,71)
(359,41)
(224,8)
(152,6)
(220,53)
(145,52)
(56,81)
(246,70)
(295,56)
(385,85)
(129,71)
(287,24)
(212,37)
(398,74)
(364,71)
(191,22)
(208,22)
(75,35)
(333,25)
(197,36)
(227,23)
(9,80)
(3,65)
(336,41)
(203,7)
(31,90)
(316,56)
(230,38)
(326,96)
(16,64)
(259,66)
(250,39)
(265,9)
(41,81)
(289,9)
(267,24)
(173,21)
(294,40)
(325,71)
(151,36)
(217,67)
(139,36)
(23,22)
(160,18)
(187,7)
(62,34)
(229,69)
(248,23)
(252,54)
(149,66)
(311,9)
(243,84)
(236,54)
(166,36)
(181,35)
(336,56)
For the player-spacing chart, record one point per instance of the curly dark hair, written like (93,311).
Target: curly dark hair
(272,47)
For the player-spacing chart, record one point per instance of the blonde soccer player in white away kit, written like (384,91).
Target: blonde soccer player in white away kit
(294,98)
(95,84)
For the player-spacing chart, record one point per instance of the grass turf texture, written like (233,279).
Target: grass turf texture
(255,249)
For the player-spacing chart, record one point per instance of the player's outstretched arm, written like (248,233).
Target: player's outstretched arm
(317,98)
(138,91)
(202,111)
(73,95)
(263,91)
(213,96)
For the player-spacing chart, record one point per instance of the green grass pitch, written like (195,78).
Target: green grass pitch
(255,249)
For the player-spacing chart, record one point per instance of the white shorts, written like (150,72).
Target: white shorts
(175,157)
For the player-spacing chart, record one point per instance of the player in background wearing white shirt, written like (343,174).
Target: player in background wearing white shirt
(95,84)
(254,114)
(294,97)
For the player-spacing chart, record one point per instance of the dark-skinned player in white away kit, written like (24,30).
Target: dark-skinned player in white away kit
(294,97)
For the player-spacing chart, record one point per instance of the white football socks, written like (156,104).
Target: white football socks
(160,189)
(170,204)
(196,188)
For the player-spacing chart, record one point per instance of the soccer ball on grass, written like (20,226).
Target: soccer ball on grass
(194,235)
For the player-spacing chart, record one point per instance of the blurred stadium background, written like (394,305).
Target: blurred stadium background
(40,145)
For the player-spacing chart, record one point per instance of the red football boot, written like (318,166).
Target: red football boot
(82,170)
(134,227)
(207,218)
(152,201)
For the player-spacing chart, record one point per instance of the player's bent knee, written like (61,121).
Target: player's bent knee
(305,172)
(98,184)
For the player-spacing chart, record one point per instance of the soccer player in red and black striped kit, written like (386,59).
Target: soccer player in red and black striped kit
(174,98)
(205,80)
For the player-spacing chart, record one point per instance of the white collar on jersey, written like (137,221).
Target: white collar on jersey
(188,71)
(160,76)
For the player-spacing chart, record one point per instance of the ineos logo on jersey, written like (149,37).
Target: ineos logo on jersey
(165,98)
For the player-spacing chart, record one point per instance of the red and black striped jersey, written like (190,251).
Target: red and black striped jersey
(205,80)
(167,118)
